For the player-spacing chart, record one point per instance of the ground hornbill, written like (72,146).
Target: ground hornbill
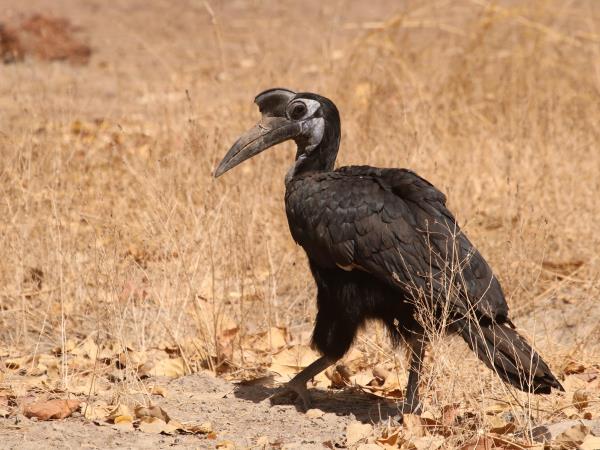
(381,244)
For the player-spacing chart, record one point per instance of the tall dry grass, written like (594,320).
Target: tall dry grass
(113,227)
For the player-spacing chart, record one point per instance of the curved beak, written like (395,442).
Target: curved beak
(268,132)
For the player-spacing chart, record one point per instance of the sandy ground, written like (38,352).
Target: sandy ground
(241,414)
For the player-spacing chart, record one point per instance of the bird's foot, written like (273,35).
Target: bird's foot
(292,391)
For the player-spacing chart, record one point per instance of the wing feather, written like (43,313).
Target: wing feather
(396,226)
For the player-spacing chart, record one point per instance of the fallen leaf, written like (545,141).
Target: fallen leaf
(590,443)
(123,426)
(117,411)
(581,398)
(168,367)
(339,375)
(357,431)
(121,419)
(567,431)
(152,425)
(381,373)
(573,436)
(449,414)
(413,425)
(95,411)
(573,367)
(157,412)
(202,428)
(390,439)
(88,348)
(428,442)
(51,409)
(159,390)
(271,340)
(499,425)
(290,361)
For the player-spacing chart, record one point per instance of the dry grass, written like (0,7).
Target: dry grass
(112,226)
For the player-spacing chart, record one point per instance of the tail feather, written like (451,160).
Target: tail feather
(503,350)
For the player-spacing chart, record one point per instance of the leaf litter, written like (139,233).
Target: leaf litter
(94,368)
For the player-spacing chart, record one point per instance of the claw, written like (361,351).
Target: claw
(293,391)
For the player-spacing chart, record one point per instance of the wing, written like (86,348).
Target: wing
(395,225)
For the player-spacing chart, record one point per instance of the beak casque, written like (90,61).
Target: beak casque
(273,129)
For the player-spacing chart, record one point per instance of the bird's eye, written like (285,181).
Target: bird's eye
(297,111)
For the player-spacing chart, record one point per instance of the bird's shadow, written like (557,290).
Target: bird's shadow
(365,407)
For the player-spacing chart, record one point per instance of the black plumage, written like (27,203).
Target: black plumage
(382,244)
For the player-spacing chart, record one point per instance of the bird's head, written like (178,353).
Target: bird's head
(312,121)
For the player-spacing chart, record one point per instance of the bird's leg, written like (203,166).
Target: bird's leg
(411,404)
(297,385)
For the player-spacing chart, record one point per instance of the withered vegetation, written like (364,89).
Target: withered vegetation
(122,258)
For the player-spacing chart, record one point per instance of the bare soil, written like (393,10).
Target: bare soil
(239,413)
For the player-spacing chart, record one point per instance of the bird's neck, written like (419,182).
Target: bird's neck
(319,159)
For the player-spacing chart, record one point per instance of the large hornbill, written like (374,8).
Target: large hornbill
(381,244)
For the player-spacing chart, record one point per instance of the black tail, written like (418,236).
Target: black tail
(503,350)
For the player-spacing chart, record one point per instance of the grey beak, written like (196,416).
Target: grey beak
(268,132)
(273,129)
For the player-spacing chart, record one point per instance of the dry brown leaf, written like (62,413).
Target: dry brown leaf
(290,361)
(381,373)
(152,425)
(96,411)
(499,425)
(573,367)
(167,367)
(123,426)
(339,375)
(413,425)
(119,410)
(198,428)
(390,439)
(89,385)
(157,412)
(131,358)
(573,436)
(271,340)
(159,390)
(22,362)
(581,398)
(357,431)
(51,409)
(363,379)
(590,443)
(428,442)
(88,348)
(449,414)
(120,419)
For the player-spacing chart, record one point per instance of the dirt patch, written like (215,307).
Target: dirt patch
(241,414)
(45,38)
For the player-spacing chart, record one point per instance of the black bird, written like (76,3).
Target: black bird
(381,244)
